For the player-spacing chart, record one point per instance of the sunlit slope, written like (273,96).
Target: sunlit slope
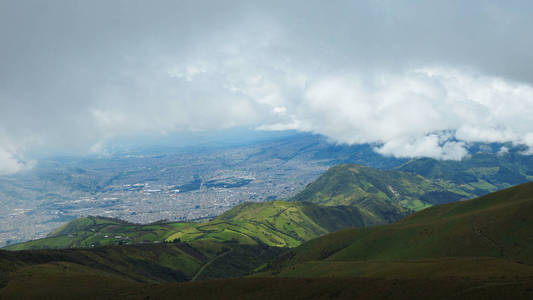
(277,223)
(381,194)
(498,225)
(100,231)
(87,224)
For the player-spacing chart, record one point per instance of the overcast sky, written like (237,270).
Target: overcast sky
(417,78)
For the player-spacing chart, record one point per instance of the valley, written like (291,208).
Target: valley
(470,249)
(195,184)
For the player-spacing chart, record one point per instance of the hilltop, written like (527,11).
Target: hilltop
(372,190)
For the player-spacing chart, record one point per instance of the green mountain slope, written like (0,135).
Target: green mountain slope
(377,192)
(277,223)
(99,231)
(480,173)
(168,262)
(487,236)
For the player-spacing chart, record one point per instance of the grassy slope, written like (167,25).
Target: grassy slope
(278,223)
(379,194)
(84,286)
(99,231)
(339,288)
(281,223)
(165,262)
(123,265)
(491,232)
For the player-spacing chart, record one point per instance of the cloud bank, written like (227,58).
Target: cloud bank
(414,78)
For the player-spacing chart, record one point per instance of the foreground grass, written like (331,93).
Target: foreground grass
(277,288)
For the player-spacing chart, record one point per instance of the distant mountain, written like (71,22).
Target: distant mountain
(313,147)
(479,174)
(382,195)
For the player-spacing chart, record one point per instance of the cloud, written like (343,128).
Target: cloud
(430,111)
(77,75)
(428,146)
(503,150)
(10,163)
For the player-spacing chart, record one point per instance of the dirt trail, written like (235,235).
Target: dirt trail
(208,263)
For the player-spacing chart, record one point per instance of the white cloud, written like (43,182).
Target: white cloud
(503,150)
(280,110)
(10,163)
(431,111)
(357,72)
(427,146)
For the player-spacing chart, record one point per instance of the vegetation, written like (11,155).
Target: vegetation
(339,288)
(277,223)
(479,174)
(474,249)
(122,265)
(380,195)
(344,196)
(487,236)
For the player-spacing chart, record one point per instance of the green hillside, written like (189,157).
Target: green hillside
(277,223)
(486,236)
(479,174)
(378,193)
(103,270)
(99,231)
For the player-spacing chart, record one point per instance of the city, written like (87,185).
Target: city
(145,188)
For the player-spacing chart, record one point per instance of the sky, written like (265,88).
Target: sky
(414,78)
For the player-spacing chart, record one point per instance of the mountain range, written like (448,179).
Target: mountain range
(355,228)
(344,196)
